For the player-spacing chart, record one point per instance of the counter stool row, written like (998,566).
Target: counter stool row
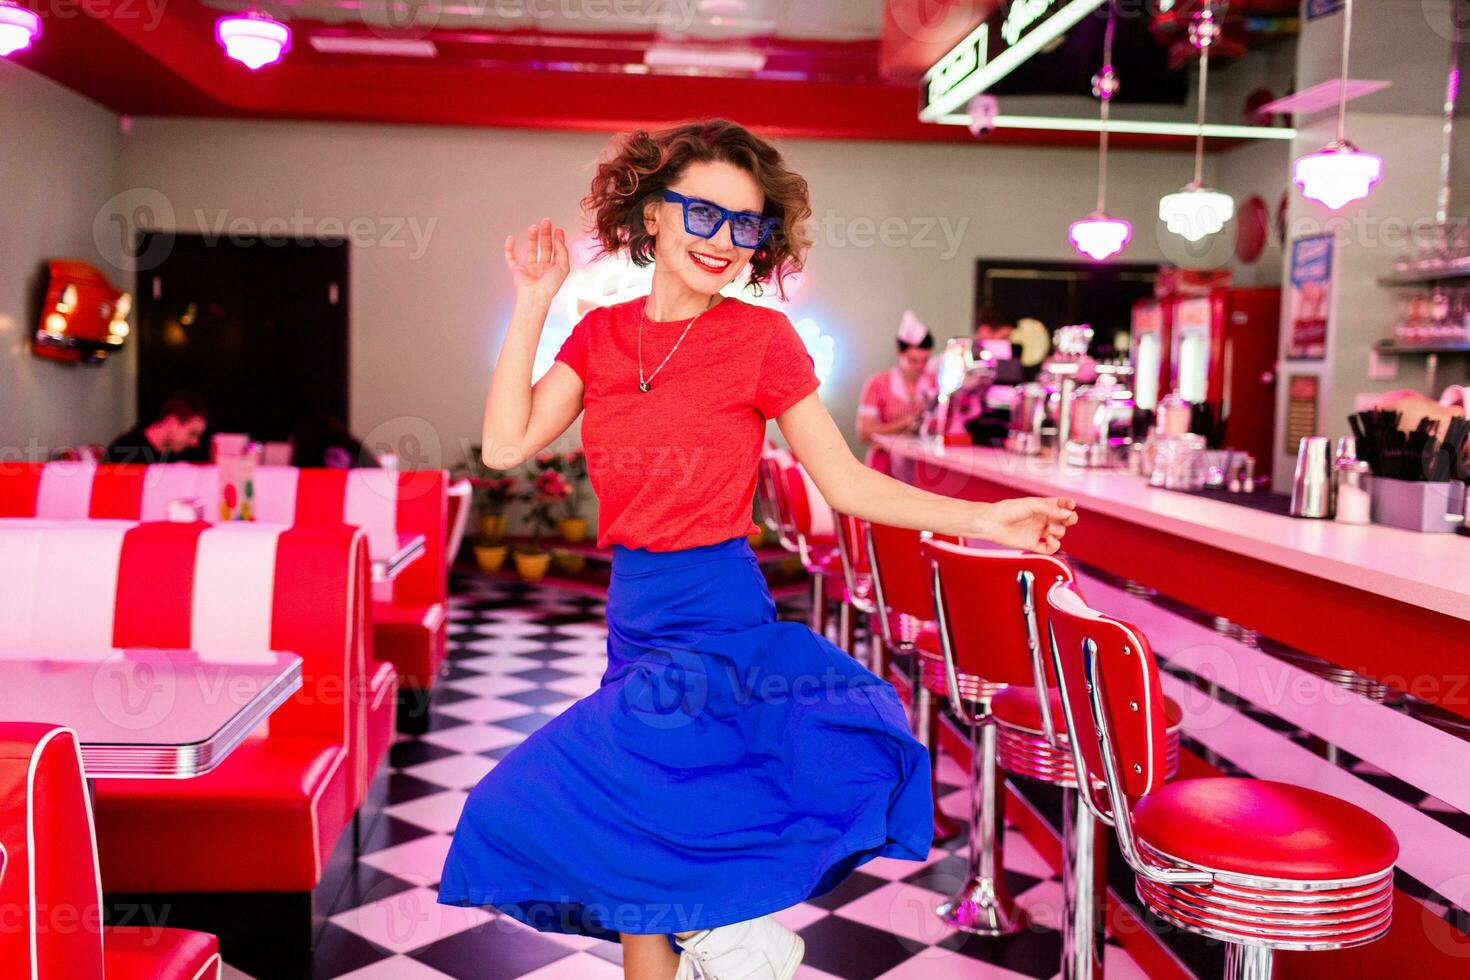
(1006,640)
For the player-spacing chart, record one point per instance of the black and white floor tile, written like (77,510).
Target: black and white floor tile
(519,655)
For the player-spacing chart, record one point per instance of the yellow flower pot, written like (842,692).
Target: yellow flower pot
(573,529)
(492,527)
(570,562)
(490,557)
(532,566)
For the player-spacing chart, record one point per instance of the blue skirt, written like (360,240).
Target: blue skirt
(729,766)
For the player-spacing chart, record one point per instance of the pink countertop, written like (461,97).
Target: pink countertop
(1427,570)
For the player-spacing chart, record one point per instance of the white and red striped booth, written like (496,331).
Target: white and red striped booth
(50,891)
(265,819)
(409,613)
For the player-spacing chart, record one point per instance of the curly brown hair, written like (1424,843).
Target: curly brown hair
(642,165)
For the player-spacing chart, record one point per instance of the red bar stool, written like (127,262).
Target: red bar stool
(982,638)
(909,628)
(1259,865)
(783,484)
(857,585)
(993,628)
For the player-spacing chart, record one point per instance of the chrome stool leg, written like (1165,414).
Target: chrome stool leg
(984,906)
(1083,895)
(924,720)
(819,605)
(1248,962)
(847,629)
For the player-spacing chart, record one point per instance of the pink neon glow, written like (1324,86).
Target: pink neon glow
(1100,236)
(1338,174)
(253,39)
(19,28)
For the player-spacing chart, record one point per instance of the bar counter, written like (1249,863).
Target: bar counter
(1431,571)
(1323,655)
(1390,604)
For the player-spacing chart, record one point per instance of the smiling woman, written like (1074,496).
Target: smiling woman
(675,802)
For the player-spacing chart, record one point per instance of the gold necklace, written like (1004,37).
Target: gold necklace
(645,384)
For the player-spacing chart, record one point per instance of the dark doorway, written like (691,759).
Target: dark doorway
(256,327)
(1062,293)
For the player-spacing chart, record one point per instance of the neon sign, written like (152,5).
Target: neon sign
(1022,15)
(962,61)
(982,59)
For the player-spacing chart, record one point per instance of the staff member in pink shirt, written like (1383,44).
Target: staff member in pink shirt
(893,401)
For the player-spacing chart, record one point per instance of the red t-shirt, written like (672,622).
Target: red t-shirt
(675,467)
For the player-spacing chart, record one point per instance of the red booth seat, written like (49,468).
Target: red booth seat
(267,817)
(383,503)
(48,877)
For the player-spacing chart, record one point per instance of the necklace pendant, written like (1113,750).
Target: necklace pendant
(644,386)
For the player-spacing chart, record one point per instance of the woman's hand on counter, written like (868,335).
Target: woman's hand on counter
(1029,523)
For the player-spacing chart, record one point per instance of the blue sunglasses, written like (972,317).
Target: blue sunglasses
(705,218)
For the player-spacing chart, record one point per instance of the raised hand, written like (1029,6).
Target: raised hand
(540,273)
(1030,523)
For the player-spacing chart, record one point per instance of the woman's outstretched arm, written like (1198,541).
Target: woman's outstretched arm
(1032,523)
(522,419)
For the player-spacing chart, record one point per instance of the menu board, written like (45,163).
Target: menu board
(1310,298)
(1301,410)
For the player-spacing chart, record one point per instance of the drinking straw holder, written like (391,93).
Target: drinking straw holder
(1417,505)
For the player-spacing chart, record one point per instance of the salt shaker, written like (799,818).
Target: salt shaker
(1354,503)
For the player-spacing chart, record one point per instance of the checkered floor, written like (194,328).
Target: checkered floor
(518,656)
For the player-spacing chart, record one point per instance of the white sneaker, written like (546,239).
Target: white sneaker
(758,949)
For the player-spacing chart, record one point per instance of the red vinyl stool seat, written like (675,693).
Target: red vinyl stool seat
(930,655)
(146,953)
(1026,751)
(1259,865)
(1263,829)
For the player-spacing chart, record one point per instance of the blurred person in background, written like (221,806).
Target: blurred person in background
(174,434)
(893,401)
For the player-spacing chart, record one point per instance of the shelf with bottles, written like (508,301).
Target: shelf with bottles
(1438,255)
(1432,320)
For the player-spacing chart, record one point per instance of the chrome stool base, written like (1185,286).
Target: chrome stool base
(1248,962)
(984,908)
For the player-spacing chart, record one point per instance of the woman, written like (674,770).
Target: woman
(893,401)
(730,765)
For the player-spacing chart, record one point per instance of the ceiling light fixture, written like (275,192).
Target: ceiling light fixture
(252,38)
(19,28)
(1197,211)
(1339,173)
(1099,235)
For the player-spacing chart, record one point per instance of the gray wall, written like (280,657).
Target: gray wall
(60,157)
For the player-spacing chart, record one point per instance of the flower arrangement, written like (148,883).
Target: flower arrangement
(548,489)
(574,466)
(494,492)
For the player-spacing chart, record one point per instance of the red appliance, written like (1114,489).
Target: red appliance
(83,317)
(1150,351)
(1223,356)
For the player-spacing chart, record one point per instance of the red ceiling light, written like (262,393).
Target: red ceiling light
(253,39)
(19,28)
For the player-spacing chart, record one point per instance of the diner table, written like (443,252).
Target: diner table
(387,564)
(148,713)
